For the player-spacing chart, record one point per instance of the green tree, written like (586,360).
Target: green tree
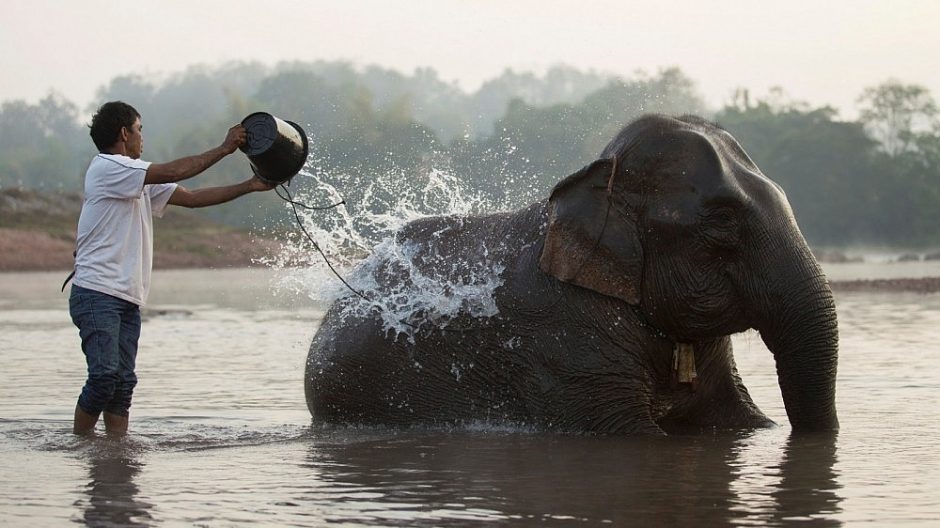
(532,147)
(559,85)
(843,188)
(42,145)
(306,98)
(894,113)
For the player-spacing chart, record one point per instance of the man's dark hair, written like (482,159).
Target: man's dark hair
(107,122)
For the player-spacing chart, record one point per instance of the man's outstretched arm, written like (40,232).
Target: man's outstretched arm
(216,195)
(184,168)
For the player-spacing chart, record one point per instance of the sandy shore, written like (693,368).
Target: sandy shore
(36,250)
(37,233)
(920,285)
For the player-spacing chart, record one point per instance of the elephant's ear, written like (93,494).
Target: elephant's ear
(588,242)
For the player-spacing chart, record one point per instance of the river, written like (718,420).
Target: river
(220,434)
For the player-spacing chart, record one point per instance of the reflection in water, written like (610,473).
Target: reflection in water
(808,484)
(781,481)
(688,480)
(112,494)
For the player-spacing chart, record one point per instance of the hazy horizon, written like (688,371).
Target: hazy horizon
(821,54)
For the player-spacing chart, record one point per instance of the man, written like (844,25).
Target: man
(114,249)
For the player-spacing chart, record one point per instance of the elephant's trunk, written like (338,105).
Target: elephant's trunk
(801,330)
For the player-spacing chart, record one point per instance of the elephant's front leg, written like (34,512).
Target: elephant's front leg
(717,399)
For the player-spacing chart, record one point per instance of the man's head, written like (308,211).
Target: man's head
(116,123)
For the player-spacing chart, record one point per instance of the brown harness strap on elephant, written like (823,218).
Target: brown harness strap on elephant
(683,365)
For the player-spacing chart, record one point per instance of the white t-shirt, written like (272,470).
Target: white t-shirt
(114,246)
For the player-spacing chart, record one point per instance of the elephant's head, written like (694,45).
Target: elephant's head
(676,220)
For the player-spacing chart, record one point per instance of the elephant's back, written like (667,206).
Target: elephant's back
(497,235)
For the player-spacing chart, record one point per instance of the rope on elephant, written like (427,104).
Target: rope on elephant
(294,205)
(290,199)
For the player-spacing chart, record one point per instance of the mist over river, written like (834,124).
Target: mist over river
(220,434)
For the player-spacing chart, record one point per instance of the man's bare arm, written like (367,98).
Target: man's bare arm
(190,166)
(216,195)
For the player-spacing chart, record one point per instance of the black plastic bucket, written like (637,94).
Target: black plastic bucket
(276,149)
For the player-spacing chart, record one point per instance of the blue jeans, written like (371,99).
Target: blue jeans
(109,328)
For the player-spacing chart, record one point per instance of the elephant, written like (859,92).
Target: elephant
(618,297)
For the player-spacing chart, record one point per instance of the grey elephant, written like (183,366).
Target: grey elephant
(618,297)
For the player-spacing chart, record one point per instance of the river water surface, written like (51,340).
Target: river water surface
(220,434)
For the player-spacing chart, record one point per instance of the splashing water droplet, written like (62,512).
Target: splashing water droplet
(359,239)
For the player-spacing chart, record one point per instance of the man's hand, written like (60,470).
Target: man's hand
(235,138)
(257,184)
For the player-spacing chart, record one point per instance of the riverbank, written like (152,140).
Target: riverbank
(37,233)
(915,285)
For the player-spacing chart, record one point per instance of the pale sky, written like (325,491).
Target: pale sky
(821,51)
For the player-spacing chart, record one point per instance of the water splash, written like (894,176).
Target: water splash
(410,298)
(394,277)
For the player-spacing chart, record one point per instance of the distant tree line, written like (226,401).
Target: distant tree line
(875,180)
